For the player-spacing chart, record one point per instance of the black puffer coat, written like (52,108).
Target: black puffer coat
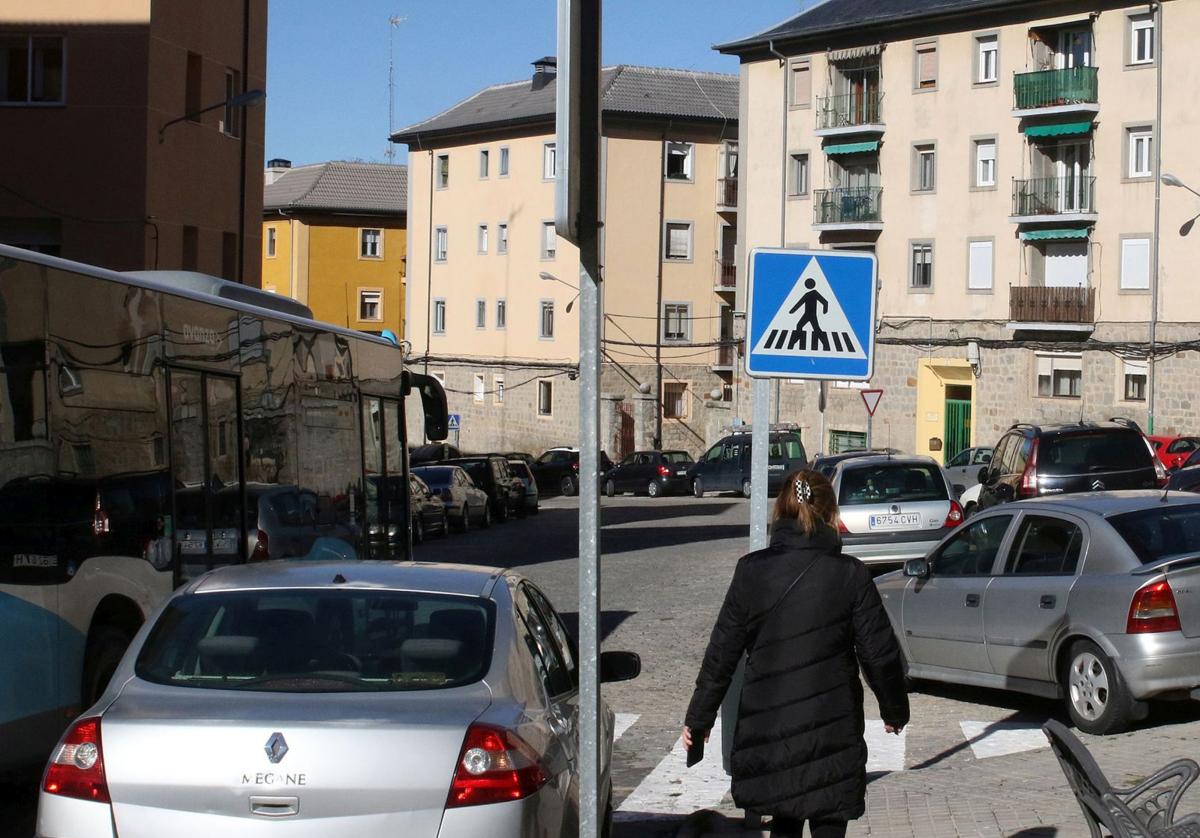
(798,749)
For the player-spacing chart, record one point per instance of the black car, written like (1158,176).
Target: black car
(1186,479)
(726,466)
(651,472)
(827,463)
(1034,460)
(490,472)
(557,471)
(434,452)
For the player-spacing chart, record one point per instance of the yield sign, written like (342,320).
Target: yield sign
(871,400)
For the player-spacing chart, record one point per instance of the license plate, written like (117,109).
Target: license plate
(681,473)
(894,521)
(192,547)
(224,545)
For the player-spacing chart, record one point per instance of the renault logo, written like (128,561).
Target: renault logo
(1097,485)
(276,747)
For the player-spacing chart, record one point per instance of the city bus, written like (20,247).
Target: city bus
(154,426)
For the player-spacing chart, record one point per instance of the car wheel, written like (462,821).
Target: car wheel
(502,514)
(653,489)
(610,488)
(418,531)
(444,532)
(487,516)
(105,648)
(464,520)
(1096,696)
(537,506)
(746,488)
(698,488)
(568,486)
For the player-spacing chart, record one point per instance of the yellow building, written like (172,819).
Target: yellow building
(334,238)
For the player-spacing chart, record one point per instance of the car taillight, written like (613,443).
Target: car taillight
(77,767)
(1153,610)
(495,765)
(842,526)
(1029,484)
(955,516)
(262,548)
(1160,472)
(99,518)
(663,471)
(575,465)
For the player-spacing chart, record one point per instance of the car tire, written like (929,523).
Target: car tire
(106,646)
(653,489)
(610,488)
(746,488)
(568,486)
(487,516)
(502,515)
(698,488)
(537,506)
(418,534)
(1097,699)
(444,532)
(464,520)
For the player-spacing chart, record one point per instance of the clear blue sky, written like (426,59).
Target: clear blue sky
(327,62)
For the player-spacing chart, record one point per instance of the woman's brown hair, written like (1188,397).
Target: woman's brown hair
(807,497)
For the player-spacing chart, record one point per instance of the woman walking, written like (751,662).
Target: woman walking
(808,618)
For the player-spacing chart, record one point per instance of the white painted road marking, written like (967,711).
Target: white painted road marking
(674,789)
(885,751)
(622,723)
(997,739)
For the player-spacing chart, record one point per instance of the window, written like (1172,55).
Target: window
(1140,152)
(972,551)
(545,398)
(1060,376)
(546,320)
(549,240)
(549,161)
(483,162)
(979,265)
(370,305)
(1134,383)
(798,176)
(677,242)
(926,66)
(800,88)
(479,388)
(232,123)
(924,167)
(674,398)
(370,243)
(439,317)
(480,313)
(985,163)
(440,241)
(547,639)
(502,238)
(443,171)
(1135,264)
(503,161)
(31,69)
(677,321)
(501,313)
(920,273)
(679,161)
(987,59)
(481,239)
(272,235)
(498,389)
(1141,39)
(192,86)
(840,441)
(1045,546)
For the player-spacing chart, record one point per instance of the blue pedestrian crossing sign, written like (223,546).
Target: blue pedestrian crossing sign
(811,314)
(454,421)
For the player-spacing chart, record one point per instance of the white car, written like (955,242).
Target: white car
(969,500)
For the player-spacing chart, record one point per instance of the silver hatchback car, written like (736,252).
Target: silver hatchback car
(1094,598)
(347,699)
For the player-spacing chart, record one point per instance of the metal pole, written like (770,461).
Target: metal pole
(760,436)
(870,423)
(1158,132)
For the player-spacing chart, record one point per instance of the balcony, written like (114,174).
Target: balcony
(726,276)
(725,359)
(849,113)
(727,194)
(1052,309)
(1071,198)
(1073,90)
(848,208)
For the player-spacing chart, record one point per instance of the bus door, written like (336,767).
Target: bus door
(384,459)
(206,470)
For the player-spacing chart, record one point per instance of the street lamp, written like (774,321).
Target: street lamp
(249,99)
(1169,179)
(549,277)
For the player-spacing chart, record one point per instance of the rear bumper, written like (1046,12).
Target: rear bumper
(538,815)
(891,548)
(675,483)
(1154,664)
(67,817)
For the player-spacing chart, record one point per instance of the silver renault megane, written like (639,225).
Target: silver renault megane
(335,698)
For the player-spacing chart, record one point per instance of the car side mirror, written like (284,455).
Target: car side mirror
(983,474)
(916,568)
(619,666)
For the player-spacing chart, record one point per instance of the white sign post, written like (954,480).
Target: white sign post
(871,400)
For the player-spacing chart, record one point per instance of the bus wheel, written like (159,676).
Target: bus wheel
(105,646)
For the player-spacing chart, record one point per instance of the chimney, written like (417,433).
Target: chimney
(545,69)
(276,167)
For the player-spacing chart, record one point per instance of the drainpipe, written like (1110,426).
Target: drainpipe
(1156,10)
(429,272)
(658,324)
(783,193)
(241,235)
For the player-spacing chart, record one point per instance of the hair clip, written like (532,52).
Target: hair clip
(803,491)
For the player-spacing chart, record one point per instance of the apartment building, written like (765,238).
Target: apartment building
(335,238)
(999,158)
(130,139)
(492,289)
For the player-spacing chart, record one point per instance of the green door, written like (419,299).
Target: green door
(957,434)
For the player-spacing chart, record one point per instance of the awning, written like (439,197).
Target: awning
(854,52)
(852,148)
(1058,129)
(1047,235)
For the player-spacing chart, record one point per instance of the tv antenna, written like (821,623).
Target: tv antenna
(393,22)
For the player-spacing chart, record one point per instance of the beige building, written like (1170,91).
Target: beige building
(999,159)
(98,165)
(492,290)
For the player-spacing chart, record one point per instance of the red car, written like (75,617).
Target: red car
(1172,451)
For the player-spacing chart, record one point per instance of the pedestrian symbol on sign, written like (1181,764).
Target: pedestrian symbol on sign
(823,333)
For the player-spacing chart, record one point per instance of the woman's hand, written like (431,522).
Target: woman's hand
(887,728)
(687,736)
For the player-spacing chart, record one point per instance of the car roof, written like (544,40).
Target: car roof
(1105,504)
(884,459)
(1076,427)
(418,576)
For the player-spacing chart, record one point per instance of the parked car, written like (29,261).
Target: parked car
(347,698)
(523,456)
(893,508)
(466,503)
(826,463)
(557,471)
(434,452)
(1032,460)
(969,500)
(532,498)
(1092,598)
(964,467)
(654,473)
(491,473)
(427,514)
(1174,451)
(726,466)
(1184,480)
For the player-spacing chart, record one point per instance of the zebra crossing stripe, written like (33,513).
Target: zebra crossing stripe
(622,723)
(998,739)
(797,340)
(674,789)
(885,751)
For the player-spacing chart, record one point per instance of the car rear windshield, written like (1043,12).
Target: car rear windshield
(1093,451)
(889,482)
(787,447)
(436,477)
(675,457)
(1156,533)
(315,641)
